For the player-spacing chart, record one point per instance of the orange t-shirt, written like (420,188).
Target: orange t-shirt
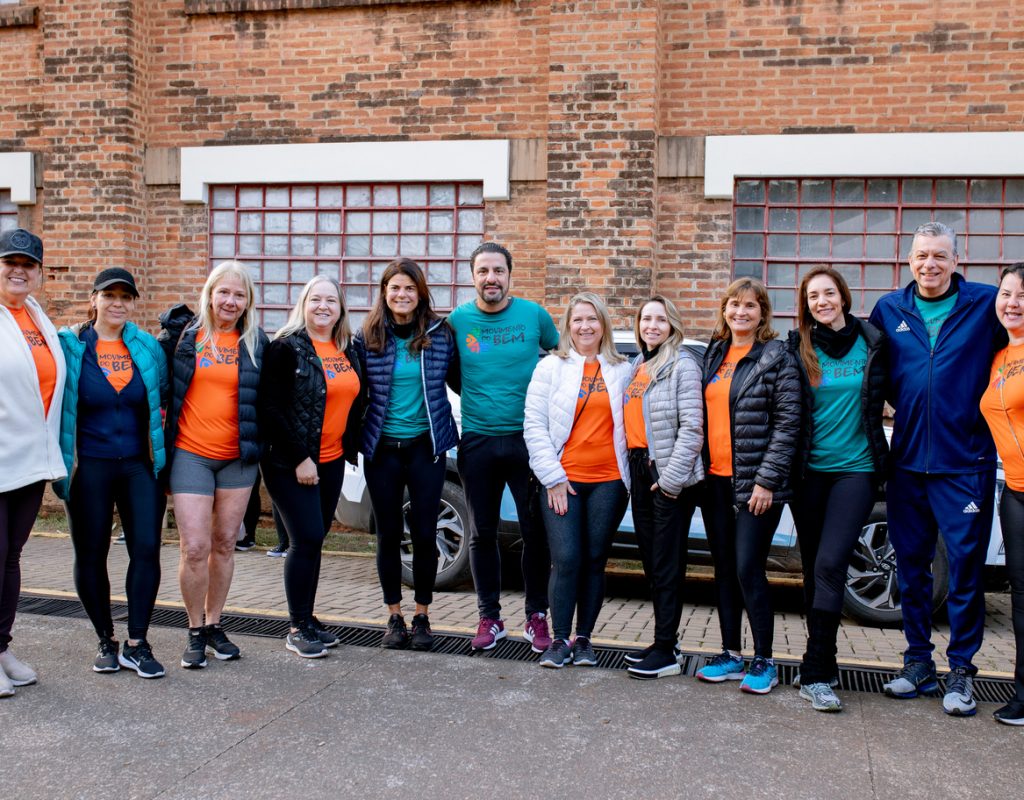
(46,367)
(208,425)
(115,362)
(633,409)
(342,388)
(589,455)
(1006,391)
(716,395)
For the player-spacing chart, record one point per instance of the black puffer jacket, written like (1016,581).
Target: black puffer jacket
(765,415)
(872,398)
(293,401)
(179,327)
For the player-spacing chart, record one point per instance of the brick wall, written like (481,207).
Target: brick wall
(599,81)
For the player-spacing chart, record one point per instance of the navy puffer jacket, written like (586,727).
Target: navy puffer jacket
(179,327)
(437,360)
(765,412)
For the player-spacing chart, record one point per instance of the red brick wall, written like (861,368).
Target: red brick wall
(778,66)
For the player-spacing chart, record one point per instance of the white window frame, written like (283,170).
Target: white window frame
(979,154)
(18,175)
(477,160)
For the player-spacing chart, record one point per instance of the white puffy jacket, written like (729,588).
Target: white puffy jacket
(29,447)
(551,406)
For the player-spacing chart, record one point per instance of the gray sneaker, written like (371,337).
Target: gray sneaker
(822,697)
(583,654)
(558,655)
(106,656)
(959,698)
(917,677)
(305,642)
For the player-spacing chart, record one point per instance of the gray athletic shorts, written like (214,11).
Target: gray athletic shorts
(192,474)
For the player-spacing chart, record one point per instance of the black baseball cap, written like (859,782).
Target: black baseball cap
(19,242)
(112,277)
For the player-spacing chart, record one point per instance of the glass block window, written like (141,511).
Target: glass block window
(287,234)
(864,227)
(8,212)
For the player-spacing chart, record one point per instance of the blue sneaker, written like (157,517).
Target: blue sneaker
(723,667)
(917,677)
(761,677)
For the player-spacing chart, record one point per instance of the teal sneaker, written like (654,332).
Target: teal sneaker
(761,677)
(723,667)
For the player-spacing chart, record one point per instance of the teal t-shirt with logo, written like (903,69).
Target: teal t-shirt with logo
(934,313)
(497,354)
(840,442)
(407,408)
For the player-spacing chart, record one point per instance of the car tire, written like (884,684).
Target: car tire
(872,595)
(452,540)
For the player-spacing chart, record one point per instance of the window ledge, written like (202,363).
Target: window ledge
(197,7)
(18,16)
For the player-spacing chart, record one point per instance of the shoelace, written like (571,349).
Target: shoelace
(821,692)
(487,626)
(721,659)
(957,682)
(758,667)
(143,652)
(108,647)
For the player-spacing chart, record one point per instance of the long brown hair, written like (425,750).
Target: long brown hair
(764,332)
(805,319)
(378,322)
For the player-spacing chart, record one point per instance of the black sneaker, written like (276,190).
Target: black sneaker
(422,638)
(277,551)
(106,656)
(222,647)
(1010,714)
(583,652)
(194,656)
(397,636)
(305,642)
(328,638)
(244,545)
(658,664)
(558,655)
(140,658)
(636,656)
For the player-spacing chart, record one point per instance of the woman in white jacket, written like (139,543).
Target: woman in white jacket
(32,367)
(664,418)
(577,443)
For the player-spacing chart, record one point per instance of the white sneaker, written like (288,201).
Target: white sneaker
(19,673)
(6,687)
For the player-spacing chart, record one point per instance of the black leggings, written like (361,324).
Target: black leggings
(391,471)
(97,486)
(18,509)
(1011,518)
(830,510)
(739,542)
(307,512)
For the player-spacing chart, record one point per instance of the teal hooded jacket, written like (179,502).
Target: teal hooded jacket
(148,358)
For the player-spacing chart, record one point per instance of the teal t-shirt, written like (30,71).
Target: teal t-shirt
(497,354)
(840,442)
(934,313)
(407,408)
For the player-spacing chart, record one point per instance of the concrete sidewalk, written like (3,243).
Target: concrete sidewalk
(368,723)
(349,592)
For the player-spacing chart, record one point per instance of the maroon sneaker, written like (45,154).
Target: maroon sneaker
(536,632)
(487,634)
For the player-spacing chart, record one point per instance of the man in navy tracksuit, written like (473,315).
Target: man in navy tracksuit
(942,332)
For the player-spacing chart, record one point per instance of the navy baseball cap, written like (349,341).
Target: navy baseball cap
(21,243)
(112,277)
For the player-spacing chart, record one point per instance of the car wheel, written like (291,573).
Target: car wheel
(872,592)
(452,540)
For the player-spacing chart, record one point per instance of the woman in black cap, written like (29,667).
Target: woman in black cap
(112,440)
(33,379)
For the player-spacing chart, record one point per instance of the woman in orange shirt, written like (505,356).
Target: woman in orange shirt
(213,444)
(576,438)
(32,367)
(1002,405)
(309,391)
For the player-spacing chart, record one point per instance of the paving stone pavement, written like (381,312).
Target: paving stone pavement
(349,592)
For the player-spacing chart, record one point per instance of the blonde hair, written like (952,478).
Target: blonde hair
(764,332)
(246,325)
(668,352)
(607,348)
(297,316)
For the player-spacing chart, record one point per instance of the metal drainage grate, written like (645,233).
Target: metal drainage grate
(855,679)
